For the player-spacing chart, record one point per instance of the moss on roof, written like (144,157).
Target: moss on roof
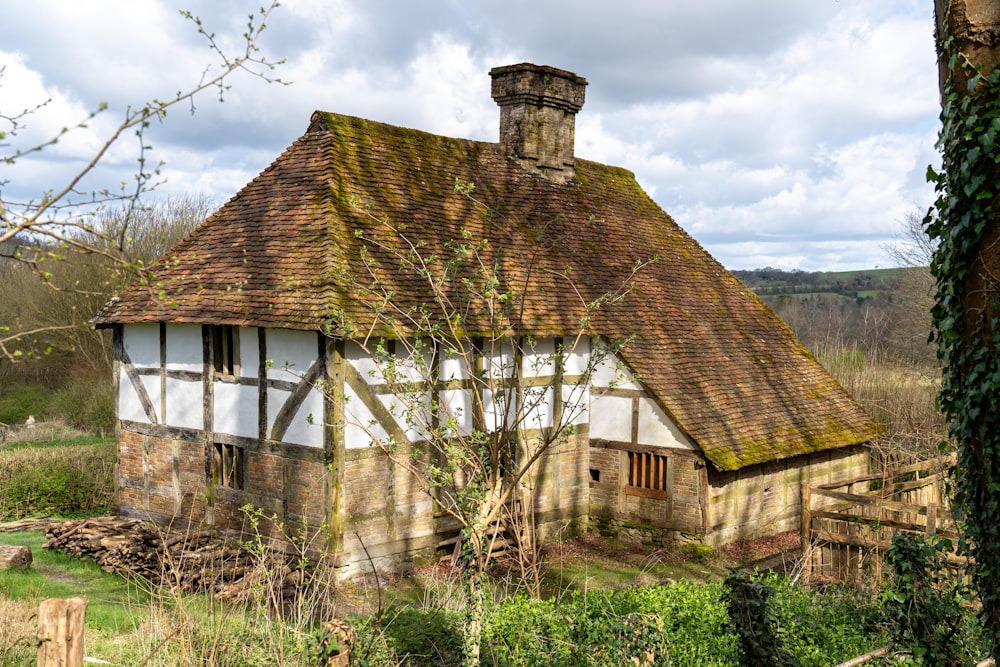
(286,252)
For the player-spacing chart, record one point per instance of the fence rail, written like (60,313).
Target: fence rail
(846,526)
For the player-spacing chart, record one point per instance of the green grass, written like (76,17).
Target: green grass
(114,601)
(79,441)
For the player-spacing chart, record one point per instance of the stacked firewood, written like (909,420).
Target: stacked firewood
(192,560)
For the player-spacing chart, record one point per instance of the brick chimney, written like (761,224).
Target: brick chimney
(538,108)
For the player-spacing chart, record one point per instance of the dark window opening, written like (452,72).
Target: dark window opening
(228,466)
(595,475)
(225,350)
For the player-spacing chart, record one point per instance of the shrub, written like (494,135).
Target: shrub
(925,604)
(88,406)
(64,480)
(17,404)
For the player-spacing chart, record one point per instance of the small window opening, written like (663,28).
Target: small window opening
(595,475)
(229,465)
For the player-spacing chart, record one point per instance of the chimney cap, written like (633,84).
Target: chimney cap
(538,84)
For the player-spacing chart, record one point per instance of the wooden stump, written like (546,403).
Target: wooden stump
(60,632)
(14,557)
(339,636)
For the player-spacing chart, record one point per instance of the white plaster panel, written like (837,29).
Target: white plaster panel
(142,344)
(611,418)
(610,372)
(306,427)
(576,356)
(129,406)
(235,409)
(498,359)
(457,404)
(453,364)
(656,428)
(249,352)
(184,349)
(538,407)
(495,406)
(538,359)
(413,362)
(362,361)
(291,353)
(576,403)
(360,425)
(412,413)
(185,404)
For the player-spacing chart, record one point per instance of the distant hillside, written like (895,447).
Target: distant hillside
(856,286)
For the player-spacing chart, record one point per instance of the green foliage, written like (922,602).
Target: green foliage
(966,313)
(924,604)
(18,404)
(751,619)
(65,480)
(87,406)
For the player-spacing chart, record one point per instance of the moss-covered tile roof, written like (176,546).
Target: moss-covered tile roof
(287,251)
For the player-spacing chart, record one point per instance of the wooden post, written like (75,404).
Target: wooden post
(806,531)
(931,517)
(60,632)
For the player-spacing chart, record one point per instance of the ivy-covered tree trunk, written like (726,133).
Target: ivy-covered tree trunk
(966,221)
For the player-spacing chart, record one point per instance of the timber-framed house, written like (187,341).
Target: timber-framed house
(243,377)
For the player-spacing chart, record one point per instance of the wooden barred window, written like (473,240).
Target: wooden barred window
(229,465)
(225,350)
(648,475)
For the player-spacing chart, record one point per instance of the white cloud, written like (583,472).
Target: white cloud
(781,132)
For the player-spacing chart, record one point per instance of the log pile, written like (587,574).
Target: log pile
(192,561)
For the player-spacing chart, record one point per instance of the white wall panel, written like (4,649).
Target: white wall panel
(142,344)
(656,428)
(457,404)
(611,373)
(129,405)
(359,428)
(611,418)
(184,348)
(576,404)
(306,427)
(538,407)
(185,404)
(411,413)
(291,353)
(236,409)
(577,355)
(538,358)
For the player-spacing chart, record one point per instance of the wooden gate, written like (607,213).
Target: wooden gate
(847,526)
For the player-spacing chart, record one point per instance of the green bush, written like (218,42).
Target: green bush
(88,406)
(678,624)
(17,404)
(64,480)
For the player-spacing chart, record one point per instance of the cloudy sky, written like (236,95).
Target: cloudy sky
(785,133)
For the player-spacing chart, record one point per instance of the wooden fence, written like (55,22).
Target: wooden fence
(846,526)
